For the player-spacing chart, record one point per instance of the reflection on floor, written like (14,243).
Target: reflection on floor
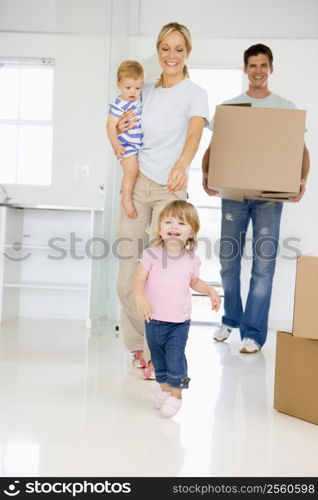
(71,405)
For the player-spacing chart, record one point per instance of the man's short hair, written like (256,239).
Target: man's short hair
(130,69)
(259,48)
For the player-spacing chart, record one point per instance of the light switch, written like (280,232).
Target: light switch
(81,171)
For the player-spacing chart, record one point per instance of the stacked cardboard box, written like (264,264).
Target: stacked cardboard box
(256,153)
(296,370)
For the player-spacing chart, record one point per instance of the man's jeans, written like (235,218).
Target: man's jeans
(265,216)
(167,342)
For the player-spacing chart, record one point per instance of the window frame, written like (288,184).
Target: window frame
(22,63)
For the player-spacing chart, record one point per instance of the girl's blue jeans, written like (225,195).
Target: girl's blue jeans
(167,342)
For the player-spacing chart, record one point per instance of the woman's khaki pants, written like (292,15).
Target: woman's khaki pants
(149,199)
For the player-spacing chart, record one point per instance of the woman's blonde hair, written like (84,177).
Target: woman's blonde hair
(180,210)
(166,30)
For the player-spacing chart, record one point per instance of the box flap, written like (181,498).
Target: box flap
(248,104)
(249,194)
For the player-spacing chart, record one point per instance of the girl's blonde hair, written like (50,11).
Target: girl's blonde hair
(130,69)
(166,30)
(180,210)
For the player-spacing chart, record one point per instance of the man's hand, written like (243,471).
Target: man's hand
(301,193)
(205,169)
(210,192)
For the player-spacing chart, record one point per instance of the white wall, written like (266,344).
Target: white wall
(295,76)
(76,33)
(79,111)
(228,18)
(221,30)
(87,39)
(55,16)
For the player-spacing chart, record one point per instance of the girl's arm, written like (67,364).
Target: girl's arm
(143,306)
(201,287)
(112,133)
(177,178)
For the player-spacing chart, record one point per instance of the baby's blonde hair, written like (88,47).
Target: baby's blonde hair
(166,30)
(184,211)
(130,69)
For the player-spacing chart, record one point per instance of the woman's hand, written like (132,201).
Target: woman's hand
(177,179)
(127,121)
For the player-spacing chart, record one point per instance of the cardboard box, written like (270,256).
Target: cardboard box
(305,323)
(256,153)
(296,377)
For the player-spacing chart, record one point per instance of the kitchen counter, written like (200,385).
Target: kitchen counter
(50,207)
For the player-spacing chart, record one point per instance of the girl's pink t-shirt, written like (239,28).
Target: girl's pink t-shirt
(167,286)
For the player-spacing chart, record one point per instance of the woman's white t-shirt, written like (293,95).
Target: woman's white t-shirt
(164,122)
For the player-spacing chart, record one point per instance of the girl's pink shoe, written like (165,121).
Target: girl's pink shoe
(160,398)
(149,373)
(170,407)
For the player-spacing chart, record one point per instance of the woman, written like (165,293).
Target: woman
(175,110)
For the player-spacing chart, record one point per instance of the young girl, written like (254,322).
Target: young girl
(161,287)
(130,78)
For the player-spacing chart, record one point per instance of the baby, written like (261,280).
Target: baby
(130,78)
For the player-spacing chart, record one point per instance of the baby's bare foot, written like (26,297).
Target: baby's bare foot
(129,207)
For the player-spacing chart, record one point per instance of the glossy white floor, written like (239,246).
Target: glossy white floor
(71,405)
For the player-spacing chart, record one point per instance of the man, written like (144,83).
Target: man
(265,216)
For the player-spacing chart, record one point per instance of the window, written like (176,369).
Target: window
(26,120)
(221,84)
